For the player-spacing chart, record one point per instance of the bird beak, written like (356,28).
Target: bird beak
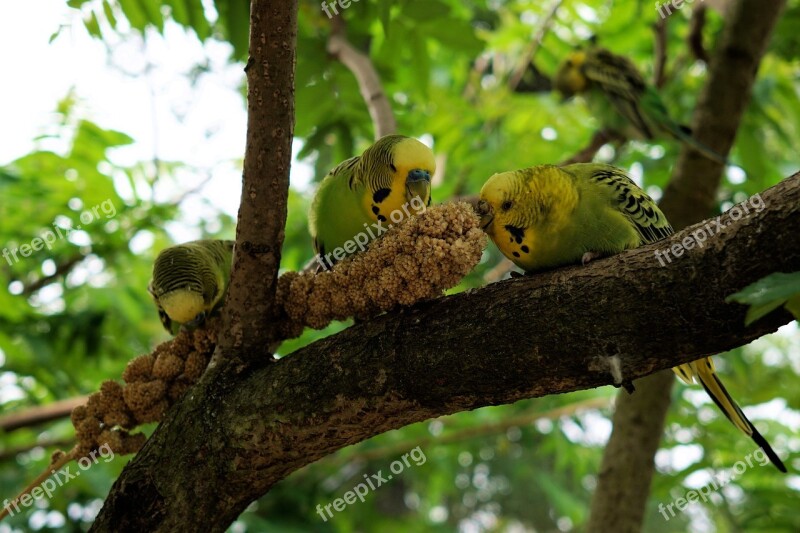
(418,183)
(486,213)
(196,321)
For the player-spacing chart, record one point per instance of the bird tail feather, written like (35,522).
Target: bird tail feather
(703,370)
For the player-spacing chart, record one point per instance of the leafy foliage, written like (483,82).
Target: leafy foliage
(769,293)
(75,314)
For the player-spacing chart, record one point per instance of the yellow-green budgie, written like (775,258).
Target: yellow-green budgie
(547,216)
(619,97)
(363,196)
(189,282)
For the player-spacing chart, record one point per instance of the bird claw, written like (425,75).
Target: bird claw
(589,257)
(515,274)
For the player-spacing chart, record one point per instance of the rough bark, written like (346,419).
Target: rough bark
(628,462)
(247,323)
(237,432)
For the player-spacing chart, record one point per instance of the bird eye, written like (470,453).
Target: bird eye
(506,205)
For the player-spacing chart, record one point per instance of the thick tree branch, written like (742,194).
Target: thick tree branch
(235,434)
(367,77)
(628,461)
(247,317)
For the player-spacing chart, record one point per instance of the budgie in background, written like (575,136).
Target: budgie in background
(363,195)
(547,216)
(189,282)
(619,97)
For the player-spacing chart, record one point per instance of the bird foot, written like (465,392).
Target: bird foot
(589,257)
(515,274)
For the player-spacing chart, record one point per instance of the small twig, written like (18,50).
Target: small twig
(50,443)
(600,139)
(695,37)
(63,459)
(533,47)
(194,190)
(479,68)
(62,269)
(368,81)
(40,414)
(660,31)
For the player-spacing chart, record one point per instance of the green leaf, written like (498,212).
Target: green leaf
(778,285)
(767,294)
(425,10)
(109,12)
(93,25)
(134,13)
(793,305)
(755,312)
(235,16)
(152,10)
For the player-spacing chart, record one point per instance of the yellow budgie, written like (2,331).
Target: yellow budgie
(363,196)
(547,216)
(619,97)
(190,280)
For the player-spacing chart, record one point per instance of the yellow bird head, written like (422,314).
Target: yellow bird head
(523,210)
(187,284)
(570,79)
(414,164)
(398,171)
(184,306)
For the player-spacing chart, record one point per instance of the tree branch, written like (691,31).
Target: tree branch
(62,269)
(530,52)
(250,303)
(40,414)
(660,64)
(695,37)
(367,77)
(234,435)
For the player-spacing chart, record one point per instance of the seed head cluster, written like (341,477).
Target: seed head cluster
(414,261)
(153,382)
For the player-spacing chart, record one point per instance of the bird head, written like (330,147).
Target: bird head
(502,202)
(414,163)
(570,79)
(184,306)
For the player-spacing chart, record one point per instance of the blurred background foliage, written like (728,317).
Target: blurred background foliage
(73,315)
